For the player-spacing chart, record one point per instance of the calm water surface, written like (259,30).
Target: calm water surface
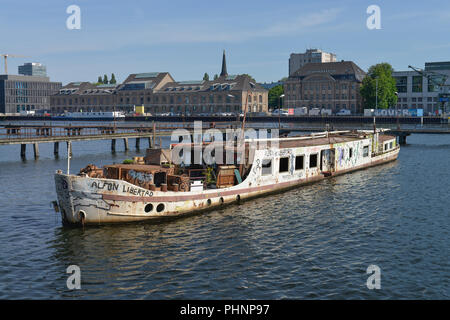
(312,242)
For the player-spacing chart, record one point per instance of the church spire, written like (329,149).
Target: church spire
(224,66)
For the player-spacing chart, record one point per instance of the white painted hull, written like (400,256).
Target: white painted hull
(101,201)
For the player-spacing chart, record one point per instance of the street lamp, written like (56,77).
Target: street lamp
(279,113)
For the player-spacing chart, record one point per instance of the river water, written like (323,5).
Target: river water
(313,242)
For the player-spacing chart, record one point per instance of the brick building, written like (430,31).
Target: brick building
(331,85)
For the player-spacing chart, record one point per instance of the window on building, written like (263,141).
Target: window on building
(417,84)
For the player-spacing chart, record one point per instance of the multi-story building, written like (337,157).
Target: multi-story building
(415,91)
(333,85)
(26,93)
(159,93)
(298,60)
(33,69)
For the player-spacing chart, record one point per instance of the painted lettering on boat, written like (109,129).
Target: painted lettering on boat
(137,191)
(110,186)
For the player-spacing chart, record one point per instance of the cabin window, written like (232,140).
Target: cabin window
(366,151)
(284,165)
(386,146)
(266,167)
(299,162)
(390,145)
(350,153)
(313,160)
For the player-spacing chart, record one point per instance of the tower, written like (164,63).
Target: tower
(224,73)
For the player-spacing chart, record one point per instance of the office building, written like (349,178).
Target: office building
(33,69)
(298,60)
(26,93)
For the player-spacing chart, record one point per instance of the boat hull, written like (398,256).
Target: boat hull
(92,201)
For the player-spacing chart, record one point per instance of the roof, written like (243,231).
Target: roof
(223,83)
(334,69)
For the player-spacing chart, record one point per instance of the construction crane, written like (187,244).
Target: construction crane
(437,80)
(6,56)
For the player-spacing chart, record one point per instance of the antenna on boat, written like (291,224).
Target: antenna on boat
(69,154)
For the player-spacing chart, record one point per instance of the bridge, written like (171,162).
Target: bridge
(33,134)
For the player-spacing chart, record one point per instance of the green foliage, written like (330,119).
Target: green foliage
(216,76)
(100,80)
(251,78)
(386,87)
(113,79)
(206,77)
(105,79)
(128,161)
(274,96)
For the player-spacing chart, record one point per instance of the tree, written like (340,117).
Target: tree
(105,79)
(113,79)
(206,77)
(99,79)
(251,78)
(274,96)
(386,87)
(216,76)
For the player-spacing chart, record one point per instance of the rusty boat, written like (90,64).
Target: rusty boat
(153,188)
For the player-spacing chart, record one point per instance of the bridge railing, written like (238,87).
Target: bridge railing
(27,132)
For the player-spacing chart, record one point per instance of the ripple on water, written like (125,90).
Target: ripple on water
(311,242)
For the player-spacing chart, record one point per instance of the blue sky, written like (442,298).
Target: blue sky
(186,38)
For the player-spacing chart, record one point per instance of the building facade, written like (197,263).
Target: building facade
(26,93)
(298,60)
(33,69)
(159,93)
(333,85)
(415,91)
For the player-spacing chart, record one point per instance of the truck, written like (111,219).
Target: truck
(344,112)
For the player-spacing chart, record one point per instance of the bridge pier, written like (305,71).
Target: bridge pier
(150,144)
(36,150)
(113,145)
(23,151)
(125,142)
(402,140)
(56,149)
(138,141)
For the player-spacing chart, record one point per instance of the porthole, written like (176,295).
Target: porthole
(208,202)
(148,208)
(160,207)
(221,200)
(238,199)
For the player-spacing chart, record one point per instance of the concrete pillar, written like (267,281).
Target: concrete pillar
(138,141)
(36,150)
(402,139)
(23,151)
(125,142)
(150,144)
(56,148)
(113,145)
